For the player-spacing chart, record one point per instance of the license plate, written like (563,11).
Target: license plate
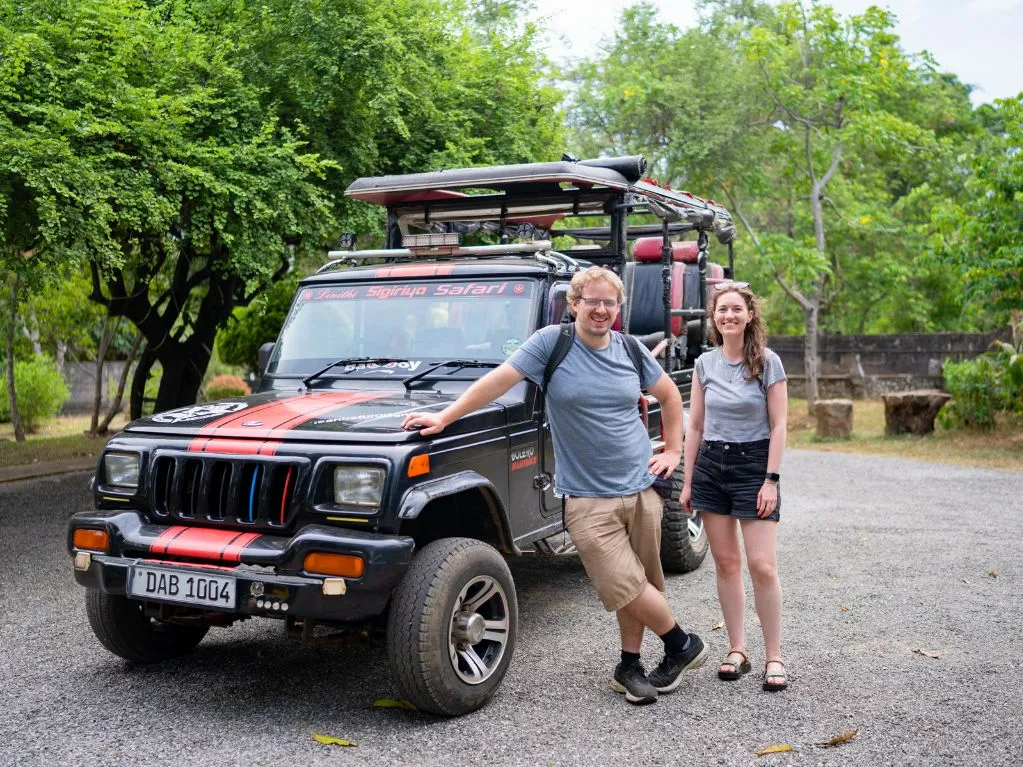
(182,587)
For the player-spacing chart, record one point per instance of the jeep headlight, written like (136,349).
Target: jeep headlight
(121,470)
(358,486)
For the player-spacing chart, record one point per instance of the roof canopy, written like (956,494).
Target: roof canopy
(538,192)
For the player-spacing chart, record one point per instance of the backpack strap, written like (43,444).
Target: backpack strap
(564,343)
(558,353)
(632,344)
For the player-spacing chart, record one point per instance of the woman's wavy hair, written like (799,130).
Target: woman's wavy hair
(754,339)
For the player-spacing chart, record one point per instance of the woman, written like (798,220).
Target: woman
(733,450)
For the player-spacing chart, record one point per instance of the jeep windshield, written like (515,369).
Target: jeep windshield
(416,322)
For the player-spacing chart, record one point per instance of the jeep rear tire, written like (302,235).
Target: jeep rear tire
(123,628)
(683,539)
(452,626)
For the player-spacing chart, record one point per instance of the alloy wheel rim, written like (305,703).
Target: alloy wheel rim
(478,630)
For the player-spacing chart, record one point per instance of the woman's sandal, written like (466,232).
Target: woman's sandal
(775,686)
(738,669)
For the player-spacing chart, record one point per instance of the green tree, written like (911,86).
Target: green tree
(803,123)
(255,325)
(984,228)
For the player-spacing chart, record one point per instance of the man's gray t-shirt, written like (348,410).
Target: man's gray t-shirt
(734,409)
(601,447)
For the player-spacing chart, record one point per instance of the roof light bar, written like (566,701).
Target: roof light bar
(436,240)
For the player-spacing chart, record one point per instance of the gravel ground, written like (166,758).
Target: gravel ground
(879,558)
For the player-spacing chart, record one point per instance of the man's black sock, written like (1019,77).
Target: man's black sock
(675,641)
(628,658)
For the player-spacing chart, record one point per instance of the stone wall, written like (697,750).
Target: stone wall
(81,380)
(918,354)
(871,387)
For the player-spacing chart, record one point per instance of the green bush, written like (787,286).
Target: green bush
(983,388)
(226,386)
(40,389)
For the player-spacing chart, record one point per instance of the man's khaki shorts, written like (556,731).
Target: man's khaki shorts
(619,542)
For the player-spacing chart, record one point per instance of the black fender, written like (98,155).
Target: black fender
(417,498)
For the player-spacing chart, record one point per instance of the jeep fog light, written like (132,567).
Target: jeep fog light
(121,470)
(358,486)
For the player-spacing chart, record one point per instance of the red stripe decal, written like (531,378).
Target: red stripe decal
(275,417)
(233,553)
(228,446)
(164,539)
(201,543)
(284,495)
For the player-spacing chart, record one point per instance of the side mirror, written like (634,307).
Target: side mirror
(263,356)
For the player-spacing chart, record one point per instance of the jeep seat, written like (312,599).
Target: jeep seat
(643,288)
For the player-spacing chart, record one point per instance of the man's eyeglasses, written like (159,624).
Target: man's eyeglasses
(730,285)
(607,303)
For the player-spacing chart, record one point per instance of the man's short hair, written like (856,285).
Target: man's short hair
(587,277)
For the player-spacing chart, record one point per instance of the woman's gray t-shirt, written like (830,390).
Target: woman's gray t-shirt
(734,409)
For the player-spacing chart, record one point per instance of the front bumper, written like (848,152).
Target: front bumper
(267,568)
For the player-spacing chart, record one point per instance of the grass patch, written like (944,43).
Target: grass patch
(59,439)
(998,449)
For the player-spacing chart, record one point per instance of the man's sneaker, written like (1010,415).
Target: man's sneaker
(668,674)
(631,679)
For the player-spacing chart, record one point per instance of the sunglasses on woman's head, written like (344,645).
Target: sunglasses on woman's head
(730,285)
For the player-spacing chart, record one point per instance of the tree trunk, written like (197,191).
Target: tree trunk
(138,383)
(811,360)
(12,397)
(31,330)
(101,357)
(61,356)
(183,370)
(115,406)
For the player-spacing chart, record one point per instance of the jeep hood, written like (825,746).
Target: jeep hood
(332,415)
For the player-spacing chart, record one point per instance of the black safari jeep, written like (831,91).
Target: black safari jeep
(306,501)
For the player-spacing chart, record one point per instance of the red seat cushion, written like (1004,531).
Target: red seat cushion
(648,249)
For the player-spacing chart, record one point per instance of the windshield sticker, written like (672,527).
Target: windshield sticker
(428,290)
(386,368)
(199,412)
(510,346)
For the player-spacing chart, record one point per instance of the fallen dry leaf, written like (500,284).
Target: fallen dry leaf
(845,609)
(777,748)
(992,573)
(838,740)
(329,740)
(718,626)
(392,703)
(926,653)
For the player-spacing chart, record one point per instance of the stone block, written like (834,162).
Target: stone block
(834,418)
(912,412)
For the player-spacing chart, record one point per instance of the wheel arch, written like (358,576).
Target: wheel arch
(465,504)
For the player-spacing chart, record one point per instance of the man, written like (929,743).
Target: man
(605,468)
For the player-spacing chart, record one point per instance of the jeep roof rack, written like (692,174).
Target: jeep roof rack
(537,195)
(434,250)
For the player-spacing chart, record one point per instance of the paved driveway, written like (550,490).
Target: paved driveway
(880,558)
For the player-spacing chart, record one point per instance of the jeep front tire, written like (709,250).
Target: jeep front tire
(452,626)
(121,625)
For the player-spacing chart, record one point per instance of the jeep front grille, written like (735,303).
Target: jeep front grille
(244,492)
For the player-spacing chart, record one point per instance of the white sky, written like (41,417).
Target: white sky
(979,40)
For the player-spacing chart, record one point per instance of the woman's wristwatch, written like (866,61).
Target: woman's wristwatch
(772,476)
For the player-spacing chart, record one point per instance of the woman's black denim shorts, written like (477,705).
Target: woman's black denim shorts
(728,476)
